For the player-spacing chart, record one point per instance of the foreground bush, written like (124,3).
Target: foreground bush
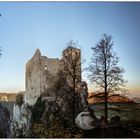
(19,99)
(58,128)
(38,110)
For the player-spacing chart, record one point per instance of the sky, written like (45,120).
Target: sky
(49,26)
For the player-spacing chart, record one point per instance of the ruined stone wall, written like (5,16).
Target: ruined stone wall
(72,58)
(39,71)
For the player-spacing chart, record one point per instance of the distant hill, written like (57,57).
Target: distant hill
(8,97)
(136,99)
(7,100)
(8,105)
(113,99)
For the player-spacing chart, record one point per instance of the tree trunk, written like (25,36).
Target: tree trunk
(106,94)
(73,108)
(106,100)
(106,109)
(73,101)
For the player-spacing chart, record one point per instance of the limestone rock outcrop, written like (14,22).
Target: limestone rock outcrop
(86,120)
(54,107)
(21,121)
(4,122)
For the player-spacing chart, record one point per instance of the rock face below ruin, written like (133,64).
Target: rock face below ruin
(4,122)
(21,121)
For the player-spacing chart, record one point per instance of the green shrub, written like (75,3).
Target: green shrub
(38,109)
(58,128)
(19,99)
(62,128)
(38,130)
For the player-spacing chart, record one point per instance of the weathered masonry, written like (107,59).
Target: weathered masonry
(39,69)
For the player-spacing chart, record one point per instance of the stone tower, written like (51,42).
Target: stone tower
(39,69)
(72,61)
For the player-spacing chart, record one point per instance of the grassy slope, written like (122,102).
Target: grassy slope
(128,112)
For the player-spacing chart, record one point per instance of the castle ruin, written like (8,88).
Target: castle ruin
(39,69)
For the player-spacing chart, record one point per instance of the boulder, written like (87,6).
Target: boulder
(86,120)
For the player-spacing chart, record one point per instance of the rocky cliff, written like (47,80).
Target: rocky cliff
(4,122)
(21,121)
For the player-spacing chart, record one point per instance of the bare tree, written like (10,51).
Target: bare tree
(63,95)
(65,84)
(104,71)
(72,64)
(72,68)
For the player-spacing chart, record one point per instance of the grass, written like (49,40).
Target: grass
(129,113)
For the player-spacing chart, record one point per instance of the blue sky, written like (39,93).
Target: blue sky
(26,26)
